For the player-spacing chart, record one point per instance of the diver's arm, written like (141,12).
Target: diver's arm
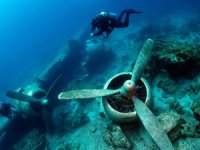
(97,32)
(93,28)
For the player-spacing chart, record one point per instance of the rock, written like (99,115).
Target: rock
(168,86)
(196,108)
(178,58)
(34,140)
(69,146)
(171,123)
(198,128)
(195,86)
(93,129)
(175,105)
(189,127)
(189,144)
(114,137)
(68,117)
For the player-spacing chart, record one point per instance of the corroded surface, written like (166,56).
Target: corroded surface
(153,126)
(86,93)
(142,60)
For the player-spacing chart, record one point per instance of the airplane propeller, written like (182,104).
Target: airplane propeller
(128,92)
(45,101)
(140,64)
(25,98)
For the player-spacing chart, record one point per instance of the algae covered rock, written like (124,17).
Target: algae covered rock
(195,86)
(196,108)
(189,144)
(177,58)
(69,146)
(168,86)
(68,117)
(171,122)
(114,137)
(34,140)
(190,127)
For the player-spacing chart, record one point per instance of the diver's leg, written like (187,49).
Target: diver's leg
(121,24)
(120,16)
(128,12)
(108,31)
(126,23)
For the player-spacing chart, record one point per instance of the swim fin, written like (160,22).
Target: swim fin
(132,11)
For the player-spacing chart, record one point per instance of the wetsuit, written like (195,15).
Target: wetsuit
(106,22)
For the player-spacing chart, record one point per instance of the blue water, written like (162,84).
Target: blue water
(32,31)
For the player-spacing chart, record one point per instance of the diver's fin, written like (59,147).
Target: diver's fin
(138,12)
(132,11)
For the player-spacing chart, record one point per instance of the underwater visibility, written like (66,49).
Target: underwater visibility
(100,75)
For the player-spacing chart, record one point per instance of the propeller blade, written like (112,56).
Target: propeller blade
(152,126)
(142,60)
(86,93)
(24,97)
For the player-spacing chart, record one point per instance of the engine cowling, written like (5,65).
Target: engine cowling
(31,109)
(122,111)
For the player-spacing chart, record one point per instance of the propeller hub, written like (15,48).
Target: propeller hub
(129,88)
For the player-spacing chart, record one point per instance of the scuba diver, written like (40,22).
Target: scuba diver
(105,22)
(7,110)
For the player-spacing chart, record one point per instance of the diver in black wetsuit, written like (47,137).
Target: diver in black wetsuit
(7,110)
(105,22)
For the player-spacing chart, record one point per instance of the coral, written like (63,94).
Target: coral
(167,85)
(171,123)
(188,144)
(189,127)
(196,108)
(178,58)
(114,137)
(194,87)
(179,126)
(34,140)
(68,146)
(175,105)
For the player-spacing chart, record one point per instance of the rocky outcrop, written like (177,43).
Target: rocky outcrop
(178,58)
(190,127)
(179,126)
(66,119)
(171,122)
(167,85)
(114,137)
(34,140)
(188,144)
(196,108)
